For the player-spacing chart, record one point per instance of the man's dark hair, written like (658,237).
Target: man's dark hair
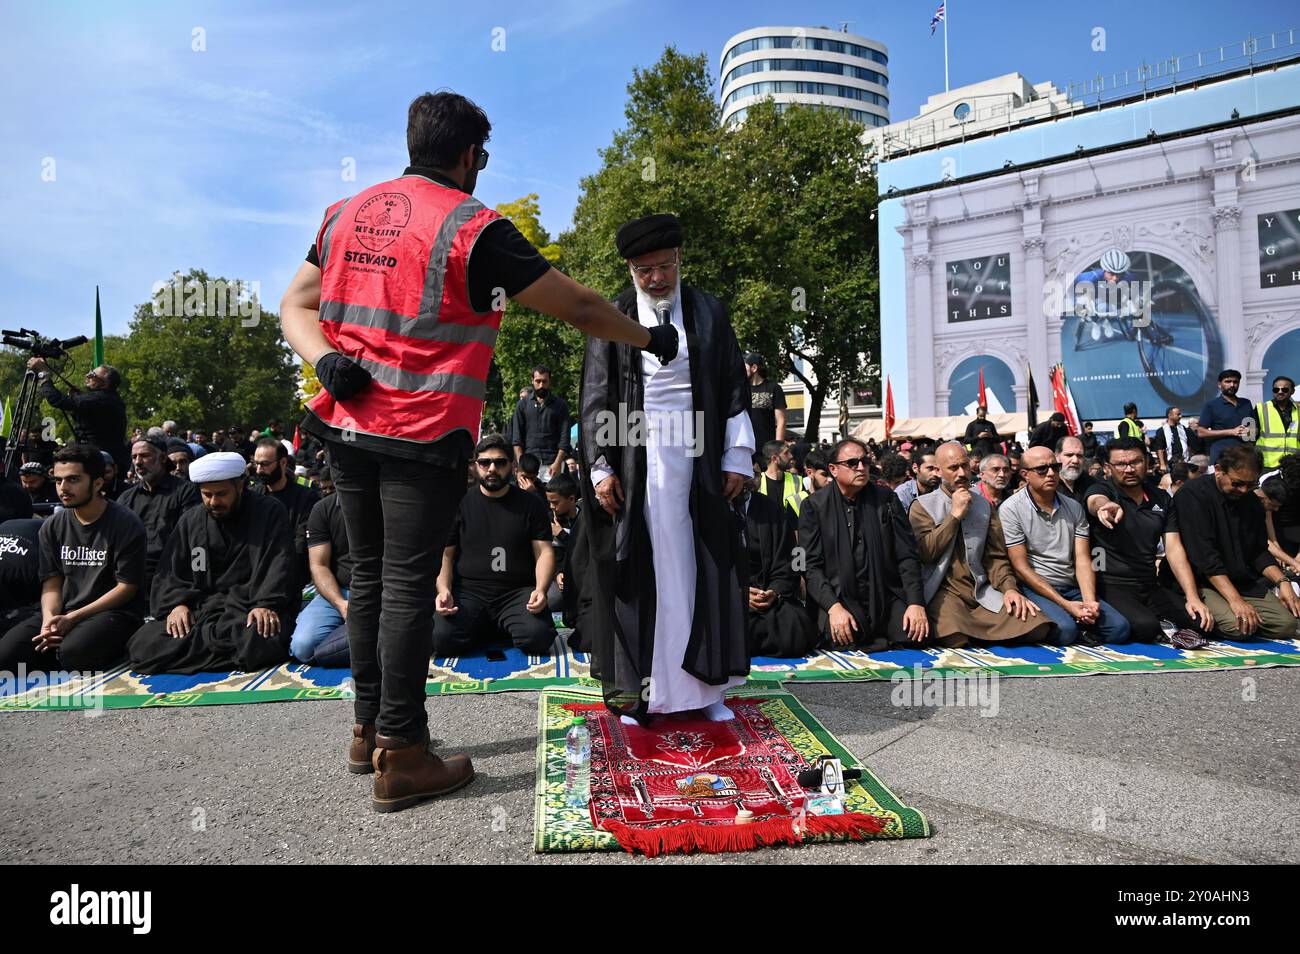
(843,443)
(771,449)
(492,442)
(894,467)
(1057,418)
(529,464)
(919,454)
(441,126)
(1178,472)
(1229,373)
(113,375)
(1172,407)
(324,474)
(983,407)
(1274,489)
(1087,423)
(1124,444)
(814,460)
(542,369)
(1240,457)
(1283,377)
(563,485)
(280,452)
(1130,406)
(87,455)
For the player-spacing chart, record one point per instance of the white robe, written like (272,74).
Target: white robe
(669,405)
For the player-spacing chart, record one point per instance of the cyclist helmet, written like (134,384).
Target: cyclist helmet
(1114,260)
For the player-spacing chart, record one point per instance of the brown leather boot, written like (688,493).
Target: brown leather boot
(361,749)
(409,773)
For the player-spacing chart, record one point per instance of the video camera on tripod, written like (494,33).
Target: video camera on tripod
(47,349)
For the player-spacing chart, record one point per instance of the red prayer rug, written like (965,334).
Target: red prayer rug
(678,785)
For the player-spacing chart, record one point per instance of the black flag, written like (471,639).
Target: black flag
(1033,398)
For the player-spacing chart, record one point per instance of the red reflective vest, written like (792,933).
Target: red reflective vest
(395,298)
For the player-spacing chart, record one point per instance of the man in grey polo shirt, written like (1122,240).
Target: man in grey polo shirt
(1047,541)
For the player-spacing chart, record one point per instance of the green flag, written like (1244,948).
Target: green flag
(7,422)
(99,332)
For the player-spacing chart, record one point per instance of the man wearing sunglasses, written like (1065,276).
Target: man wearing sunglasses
(397,308)
(970,591)
(862,568)
(1220,521)
(1279,424)
(98,412)
(1048,542)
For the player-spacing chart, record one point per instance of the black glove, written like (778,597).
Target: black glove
(663,342)
(340,375)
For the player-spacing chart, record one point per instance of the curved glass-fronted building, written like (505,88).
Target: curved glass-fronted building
(813,66)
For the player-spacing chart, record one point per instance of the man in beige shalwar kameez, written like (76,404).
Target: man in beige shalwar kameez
(970,589)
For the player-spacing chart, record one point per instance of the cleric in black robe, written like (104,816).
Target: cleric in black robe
(223,595)
(620,570)
(778,624)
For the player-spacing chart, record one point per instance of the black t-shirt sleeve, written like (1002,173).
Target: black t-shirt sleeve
(778,396)
(318,527)
(313,257)
(539,520)
(50,564)
(502,258)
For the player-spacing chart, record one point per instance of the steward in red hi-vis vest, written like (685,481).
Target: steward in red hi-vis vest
(395,299)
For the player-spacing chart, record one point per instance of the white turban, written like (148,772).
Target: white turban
(225,465)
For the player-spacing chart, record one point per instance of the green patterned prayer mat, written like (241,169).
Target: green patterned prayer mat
(119,688)
(775,736)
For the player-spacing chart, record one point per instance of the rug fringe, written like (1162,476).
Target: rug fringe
(716,839)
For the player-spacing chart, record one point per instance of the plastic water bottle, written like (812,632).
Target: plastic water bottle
(577,773)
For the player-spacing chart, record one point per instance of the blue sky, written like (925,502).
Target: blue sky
(166,157)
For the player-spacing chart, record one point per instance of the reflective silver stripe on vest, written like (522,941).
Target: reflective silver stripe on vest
(408,327)
(461,384)
(329,231)
(436,272)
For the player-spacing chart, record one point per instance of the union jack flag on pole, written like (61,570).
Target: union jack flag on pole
(937,18)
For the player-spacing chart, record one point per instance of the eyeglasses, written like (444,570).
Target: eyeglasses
(1282,390)
(1042,471)
(490,462)
(481,158)
(645,271)
(853,463)
(1126,464)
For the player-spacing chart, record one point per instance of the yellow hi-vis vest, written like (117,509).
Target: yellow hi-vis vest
(1275,440)
(791,493)
(1129,428)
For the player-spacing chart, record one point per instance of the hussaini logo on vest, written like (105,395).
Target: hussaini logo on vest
(380,220)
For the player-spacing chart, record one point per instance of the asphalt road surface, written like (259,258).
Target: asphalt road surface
(1176,767)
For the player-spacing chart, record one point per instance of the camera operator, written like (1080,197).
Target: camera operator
(100,415)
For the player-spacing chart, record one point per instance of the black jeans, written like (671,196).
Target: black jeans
(398,514)
(1144,604)
(95,643)
(482,615)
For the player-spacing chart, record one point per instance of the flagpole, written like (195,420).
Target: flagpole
(947,12)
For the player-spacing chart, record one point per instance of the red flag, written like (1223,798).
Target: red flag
(1062,399)
(889,407)
(984,398)
(297,441)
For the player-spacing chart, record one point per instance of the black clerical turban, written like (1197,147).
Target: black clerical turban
(220,466)
(648,234)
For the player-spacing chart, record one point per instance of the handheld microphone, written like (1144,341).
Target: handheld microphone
(664,311)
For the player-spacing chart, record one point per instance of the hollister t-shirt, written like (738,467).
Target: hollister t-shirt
(93,558)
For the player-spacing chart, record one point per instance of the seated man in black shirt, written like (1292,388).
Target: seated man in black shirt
(776,623)
(1221,524)
(158,498)
(497,565)
(275,479)
(1130,516)
(318,638)
(91,568)
(20,570)
(36,481)
(862,569)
